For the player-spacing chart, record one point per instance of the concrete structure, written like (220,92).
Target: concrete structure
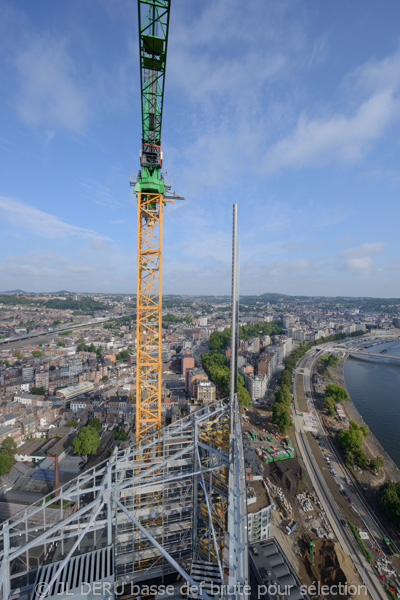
(205,391)
(187,362)
(258,512)
(271,570)
(27,374)
(42,379)
(256,386)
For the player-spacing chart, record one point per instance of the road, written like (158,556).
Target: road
(22,340)
(373,526)
(344,535)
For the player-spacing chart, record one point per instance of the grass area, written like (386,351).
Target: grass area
(363,547)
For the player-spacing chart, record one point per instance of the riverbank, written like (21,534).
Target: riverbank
(373,447)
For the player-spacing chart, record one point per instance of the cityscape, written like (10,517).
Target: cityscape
(199,388)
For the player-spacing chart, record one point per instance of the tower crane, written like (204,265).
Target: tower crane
(151,192)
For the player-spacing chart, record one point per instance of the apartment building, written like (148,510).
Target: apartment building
(258,512)
(205,392)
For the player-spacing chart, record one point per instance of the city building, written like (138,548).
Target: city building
(42,379)
(73,391)
(187,362)
(205,391)
(256,386)
(258,512)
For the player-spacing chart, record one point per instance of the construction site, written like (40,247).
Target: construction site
(209,507)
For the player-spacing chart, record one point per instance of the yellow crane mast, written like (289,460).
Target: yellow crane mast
(151,192)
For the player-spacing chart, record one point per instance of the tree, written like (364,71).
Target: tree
(389,501)
(38,391)
(72,423)
(62,344)
(52,368)
(329,360)
(8,446)
(281,417)
(104,378)
(36,353)
(376,463)
(95,424)
(336,392)
(283,395)
(86,442)
(6,463)
(17,354)
(352,440)
(330,406)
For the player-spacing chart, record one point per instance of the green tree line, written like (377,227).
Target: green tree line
(84,305)
(216,367)
(281,416)
(389,501)
(220,340)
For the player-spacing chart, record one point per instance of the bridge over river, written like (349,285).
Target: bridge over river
(379,355)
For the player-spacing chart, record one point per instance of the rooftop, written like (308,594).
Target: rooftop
(260,494)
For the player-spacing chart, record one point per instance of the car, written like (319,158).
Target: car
(350,500)
(343,522)
(341,486)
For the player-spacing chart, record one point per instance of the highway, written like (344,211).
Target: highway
(372,525)
(354,354)
(344,535)
(50,333)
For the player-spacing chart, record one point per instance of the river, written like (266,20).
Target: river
(374,386)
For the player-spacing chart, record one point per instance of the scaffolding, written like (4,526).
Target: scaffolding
(138,517)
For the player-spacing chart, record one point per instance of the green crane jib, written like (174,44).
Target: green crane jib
(153,42)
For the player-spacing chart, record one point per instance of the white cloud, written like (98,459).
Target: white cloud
(346,136)
(338,138)
(49,271)
(43,224)
(365,250)
(359,259)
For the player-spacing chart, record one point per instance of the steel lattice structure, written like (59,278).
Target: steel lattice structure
(151,510)
(151,191)
(148,314)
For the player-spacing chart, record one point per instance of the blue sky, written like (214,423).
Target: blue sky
(289,108)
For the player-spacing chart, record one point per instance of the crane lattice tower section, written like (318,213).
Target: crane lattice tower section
(151,196)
